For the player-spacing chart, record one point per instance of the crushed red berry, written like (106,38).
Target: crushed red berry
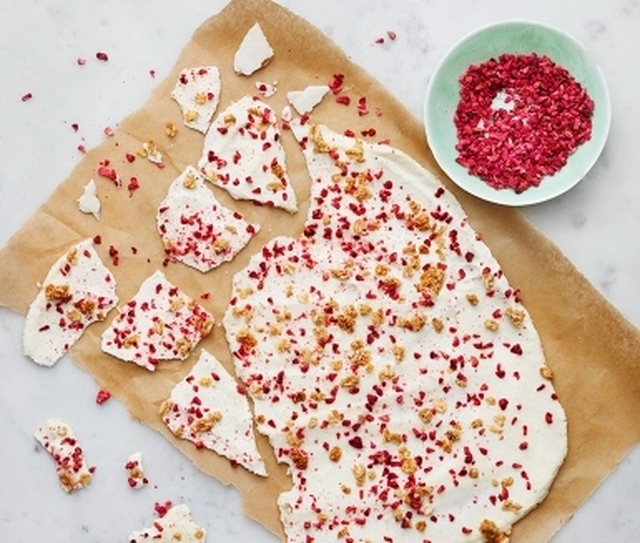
(133,185)
(104,170)
(114,254)
(162,509)
(102,396)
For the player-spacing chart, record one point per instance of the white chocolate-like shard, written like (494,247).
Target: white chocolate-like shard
(159,323)
(197,92)
(305,100)
(88,202)
(176,525)
(77,291)
(391,365)
(208,408)
(286,115)
(136,478)
(266,89)
(243,154)
(58,439)
(196,228)
(253,53)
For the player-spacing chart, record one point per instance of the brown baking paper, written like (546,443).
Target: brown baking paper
(592,349)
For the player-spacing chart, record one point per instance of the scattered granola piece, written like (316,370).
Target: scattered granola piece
(207,408)
(171,130)
(150,151)
(159,323)
(515,316)
(243,154)
(546,372)
(197,92)
(135,471)
(196,228)
(254,52)
(176,525)
(78,291)
(305,100)
(492,534)
(58,439)
(89,202)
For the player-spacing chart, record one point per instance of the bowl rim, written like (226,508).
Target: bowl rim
(508,197)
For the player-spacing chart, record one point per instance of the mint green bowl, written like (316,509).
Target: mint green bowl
(519,37)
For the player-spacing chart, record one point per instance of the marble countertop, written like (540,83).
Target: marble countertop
(597,225)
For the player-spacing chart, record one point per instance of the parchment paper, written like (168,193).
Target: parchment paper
(592,349)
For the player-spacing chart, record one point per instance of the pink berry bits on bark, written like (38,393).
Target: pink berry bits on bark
(519,119)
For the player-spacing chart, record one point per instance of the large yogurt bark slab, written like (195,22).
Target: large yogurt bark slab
(391,364)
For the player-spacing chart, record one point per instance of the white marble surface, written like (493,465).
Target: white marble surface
(597,224)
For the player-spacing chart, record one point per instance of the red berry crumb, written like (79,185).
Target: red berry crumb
(133,185)
(102,396)
(114,254)
(162,509)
